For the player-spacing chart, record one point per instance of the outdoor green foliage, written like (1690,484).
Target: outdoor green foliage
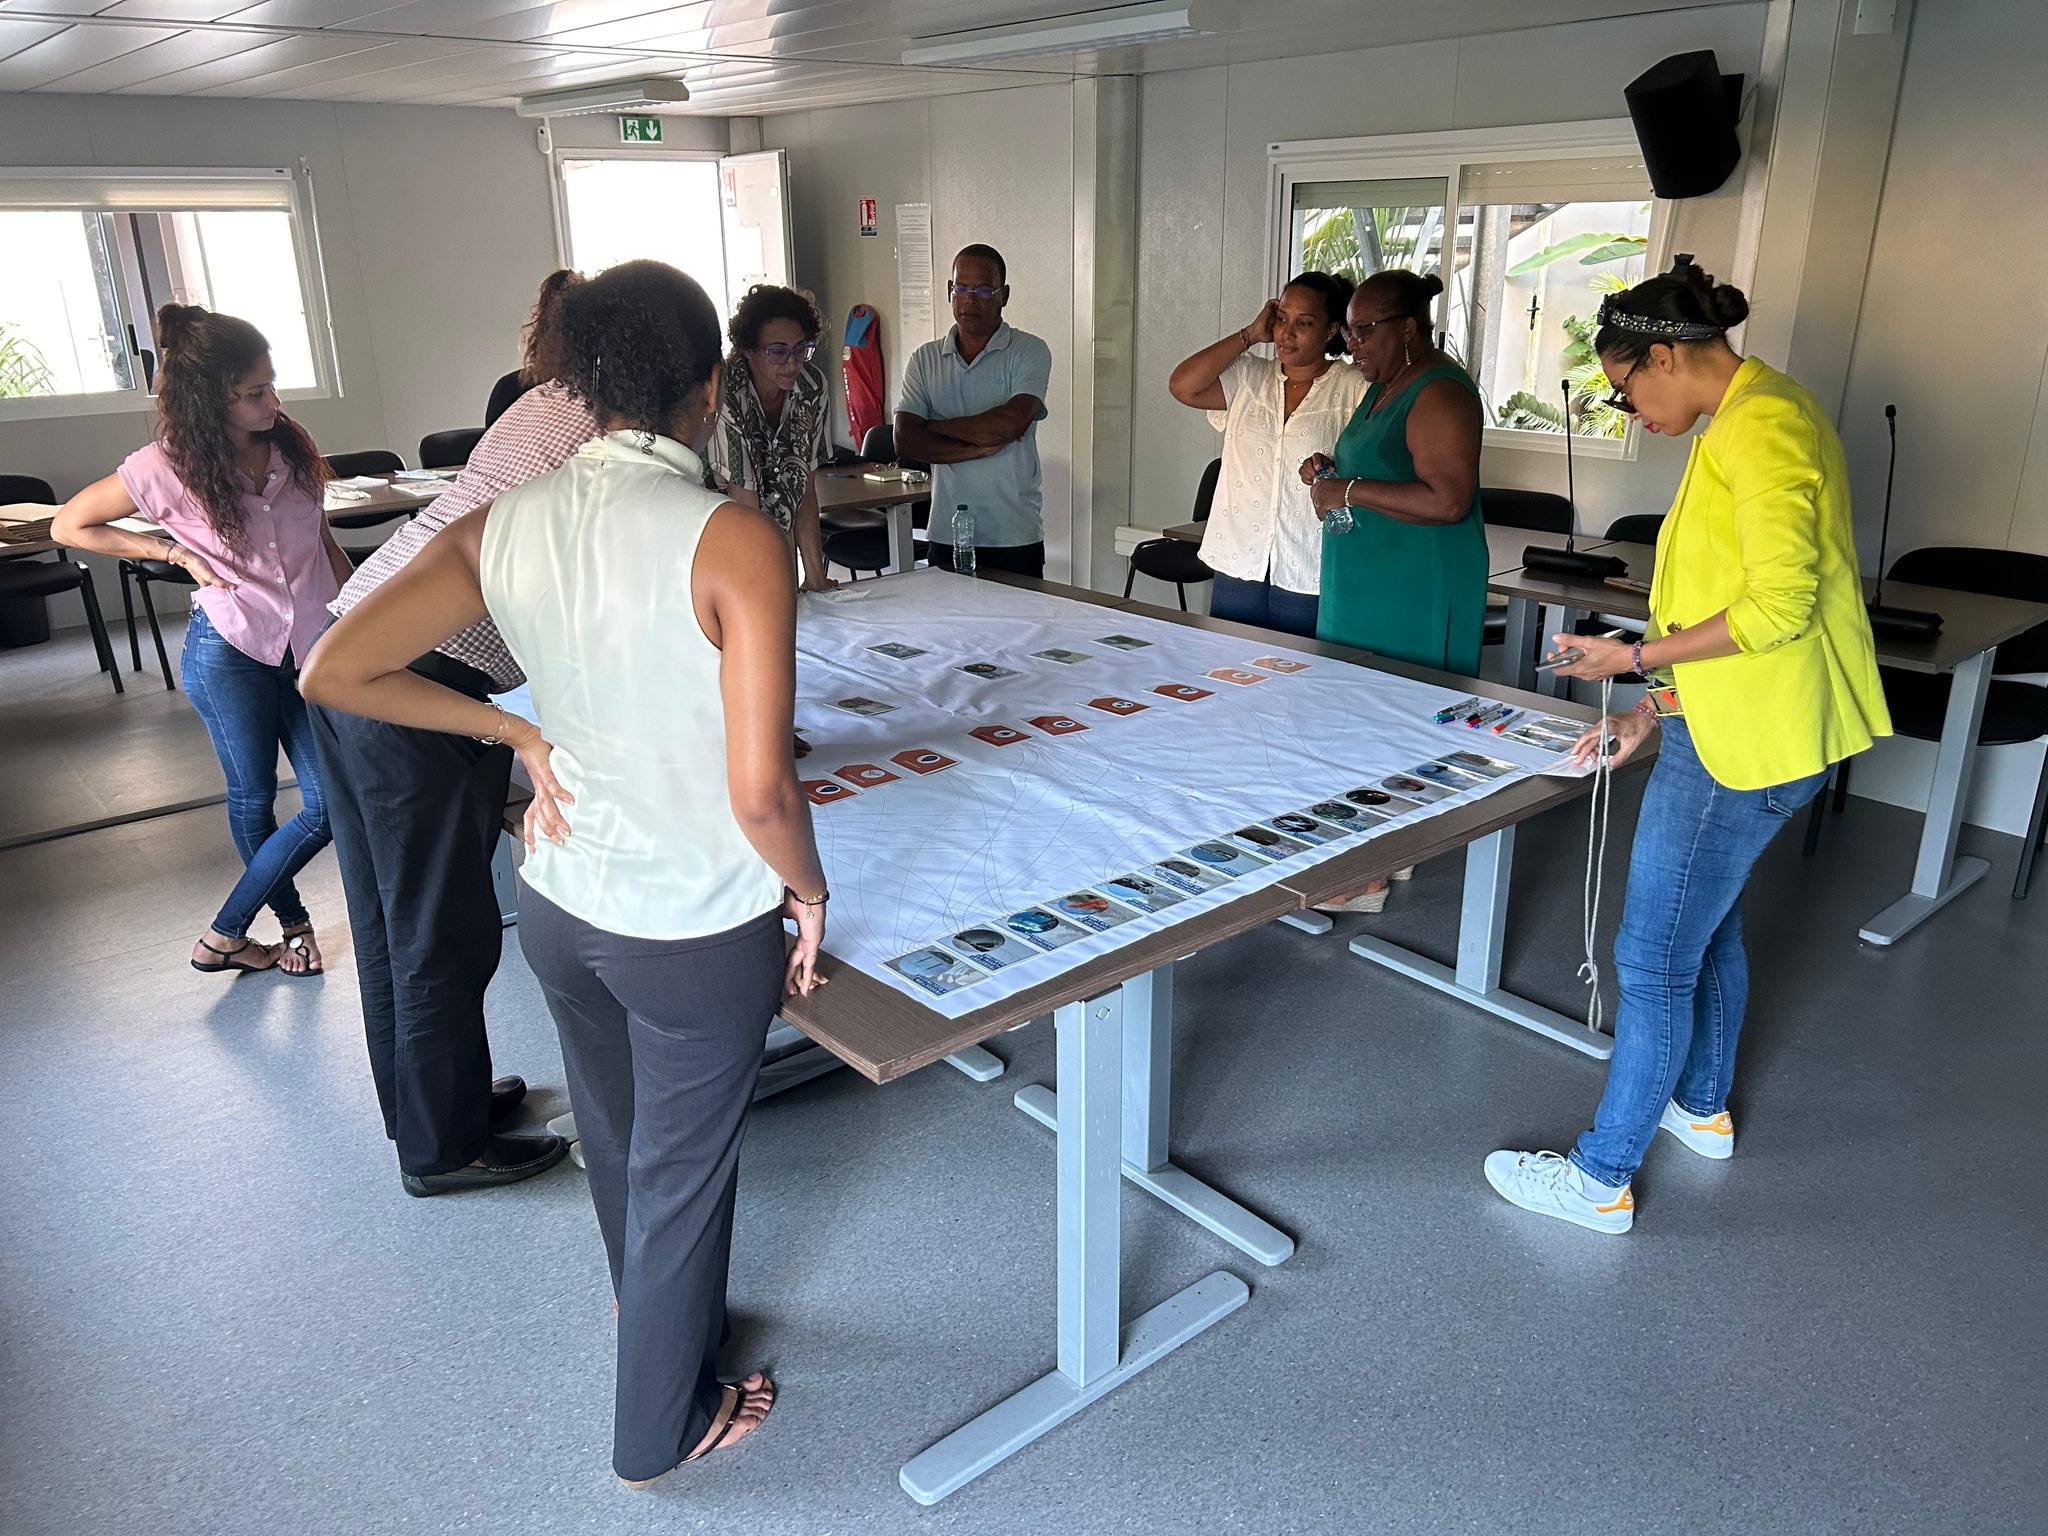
(1592,416)
(1591,248)
(23,370)
(1357,242)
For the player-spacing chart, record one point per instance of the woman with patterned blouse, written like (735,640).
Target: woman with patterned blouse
(771,418)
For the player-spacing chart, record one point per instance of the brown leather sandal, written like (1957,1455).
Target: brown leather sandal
(726,1427)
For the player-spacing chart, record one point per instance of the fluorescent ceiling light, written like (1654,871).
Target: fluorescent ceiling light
(1084,31)
(650,95)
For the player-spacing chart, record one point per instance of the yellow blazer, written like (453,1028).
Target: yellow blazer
(1761,528)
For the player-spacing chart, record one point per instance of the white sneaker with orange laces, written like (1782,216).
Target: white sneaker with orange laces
(1551,1185)
(1709,1135)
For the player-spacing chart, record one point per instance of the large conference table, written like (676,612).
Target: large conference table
(1111,1111)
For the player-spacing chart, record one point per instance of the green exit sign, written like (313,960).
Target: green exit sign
(640,130)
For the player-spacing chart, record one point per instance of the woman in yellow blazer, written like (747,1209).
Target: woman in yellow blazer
(1762,674)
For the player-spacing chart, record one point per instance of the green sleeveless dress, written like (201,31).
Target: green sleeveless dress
(1411,591)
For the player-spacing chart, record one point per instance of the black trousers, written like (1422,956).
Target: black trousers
(662,1042)
(416,817)
(1017,559)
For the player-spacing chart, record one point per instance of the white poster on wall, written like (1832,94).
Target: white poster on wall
(914,276)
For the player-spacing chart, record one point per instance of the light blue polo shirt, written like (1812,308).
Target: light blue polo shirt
(1002,490)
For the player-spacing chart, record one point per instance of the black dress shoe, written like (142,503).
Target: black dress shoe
(507,1160)
(507,1094)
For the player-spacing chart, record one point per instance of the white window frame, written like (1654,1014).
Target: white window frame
(1445,155)
(305,246)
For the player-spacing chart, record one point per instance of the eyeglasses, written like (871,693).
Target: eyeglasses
(970,291)
(1356,334)
(1617,398)
(780,352)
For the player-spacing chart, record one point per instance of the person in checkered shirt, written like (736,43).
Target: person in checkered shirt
(416,818)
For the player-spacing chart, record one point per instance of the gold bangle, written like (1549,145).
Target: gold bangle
(504,723)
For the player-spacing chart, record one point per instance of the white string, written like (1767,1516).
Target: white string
(1596,859)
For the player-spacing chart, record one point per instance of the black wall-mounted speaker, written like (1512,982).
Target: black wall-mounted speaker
(1685,111)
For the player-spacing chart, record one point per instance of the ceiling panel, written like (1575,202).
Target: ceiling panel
(173,54)
(738,55)
(71,50)
(17,35)
(265,58)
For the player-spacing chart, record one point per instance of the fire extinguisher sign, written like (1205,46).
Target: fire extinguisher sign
(869,225)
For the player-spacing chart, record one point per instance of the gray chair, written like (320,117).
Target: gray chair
(1176,560)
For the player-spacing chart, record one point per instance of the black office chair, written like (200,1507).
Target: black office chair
(449,450)
(46,578)
(26,622)
(2014,712)
(879,445)
(1538,510)
(143,573)
(1636,528)
(371,461)
(1176,560)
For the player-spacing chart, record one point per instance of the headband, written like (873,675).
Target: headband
(1653,325)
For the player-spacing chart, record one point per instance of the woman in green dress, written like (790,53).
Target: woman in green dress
(1407,577)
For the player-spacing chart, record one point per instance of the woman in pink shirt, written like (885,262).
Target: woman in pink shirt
(234,486)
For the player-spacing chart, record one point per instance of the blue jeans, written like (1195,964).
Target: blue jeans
(1263,604)
(1684,977)
(251,709)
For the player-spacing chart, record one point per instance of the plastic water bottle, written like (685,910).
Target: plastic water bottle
(1337,519)
(963,541)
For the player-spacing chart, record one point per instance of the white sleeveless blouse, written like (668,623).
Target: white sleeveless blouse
(587,573)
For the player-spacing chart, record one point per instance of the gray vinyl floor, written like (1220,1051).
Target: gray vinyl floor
(220,1315)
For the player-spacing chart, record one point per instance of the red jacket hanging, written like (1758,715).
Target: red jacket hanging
(861,362)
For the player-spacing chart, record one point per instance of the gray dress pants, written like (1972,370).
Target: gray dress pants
(662,1042)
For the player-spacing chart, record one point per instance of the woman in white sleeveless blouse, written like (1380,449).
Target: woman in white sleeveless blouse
(668,836)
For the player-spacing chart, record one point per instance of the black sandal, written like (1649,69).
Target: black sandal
(227,960)
(726,1427)
(295,940)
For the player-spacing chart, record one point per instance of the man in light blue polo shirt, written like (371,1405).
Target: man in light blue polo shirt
(972,401)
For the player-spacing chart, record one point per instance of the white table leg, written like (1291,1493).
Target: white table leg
(1938,875)
(1148,1124)
(1096,1351)
(1482,932)
(902,543)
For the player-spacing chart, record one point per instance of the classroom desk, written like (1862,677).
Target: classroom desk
(1973,627)
(1112,1112)
(26,514)
(1504,546)
(846,489)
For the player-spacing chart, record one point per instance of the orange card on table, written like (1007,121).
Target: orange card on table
(1279,664)
(998,735)
(824,791)
(1118,706)
(863,775)
(1237,675)
(923,760)
(1057,725)
(1186,691)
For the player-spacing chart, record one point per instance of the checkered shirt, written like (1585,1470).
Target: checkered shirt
(534,437)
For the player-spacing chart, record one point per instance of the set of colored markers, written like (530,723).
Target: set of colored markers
(1478,714)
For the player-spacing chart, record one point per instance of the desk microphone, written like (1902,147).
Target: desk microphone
(1900,623)
(1571,561)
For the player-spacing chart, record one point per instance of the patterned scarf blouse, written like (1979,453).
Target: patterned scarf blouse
(772,460)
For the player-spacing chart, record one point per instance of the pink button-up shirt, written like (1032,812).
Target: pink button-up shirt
(281,590)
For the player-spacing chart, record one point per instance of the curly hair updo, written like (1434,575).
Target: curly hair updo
(1407,294)
(765,302)
(1684,306)
(637,340)
(205,359)
(541,341)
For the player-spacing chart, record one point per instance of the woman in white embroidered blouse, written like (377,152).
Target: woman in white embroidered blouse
(1264,540)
